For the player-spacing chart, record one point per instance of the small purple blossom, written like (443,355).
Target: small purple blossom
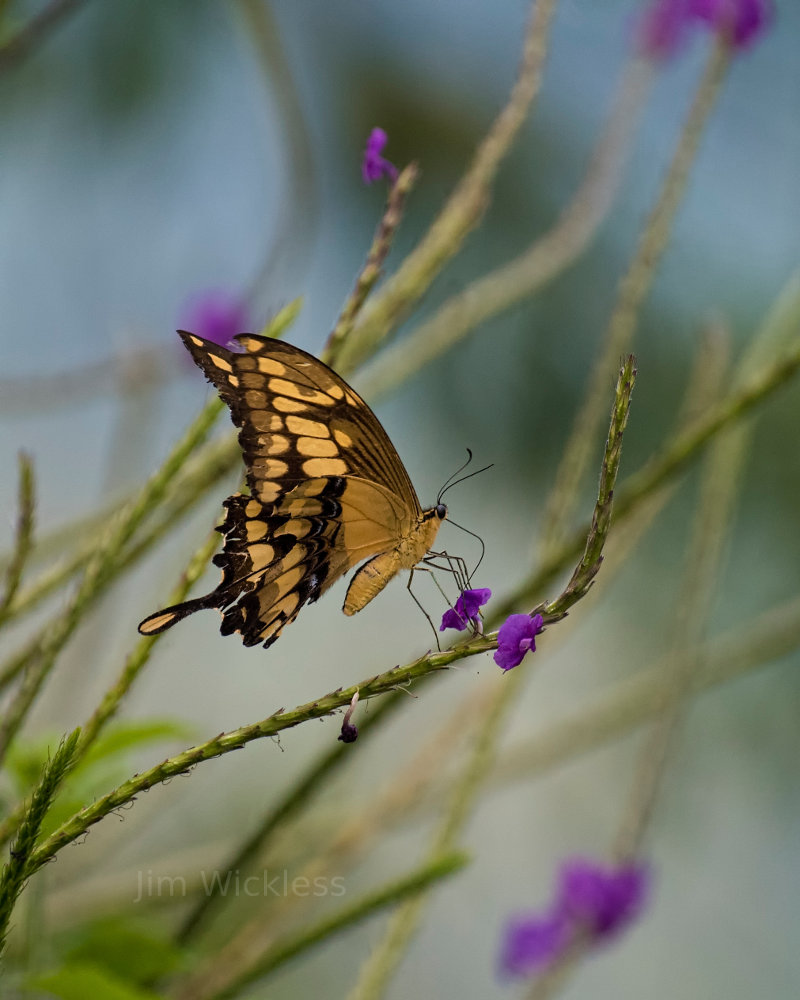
(215,315)
(666,24)
(373,165)
(531,942)
(517,636)
(603,899)
(742,20)
(467,610)
(592,900)
(663,28)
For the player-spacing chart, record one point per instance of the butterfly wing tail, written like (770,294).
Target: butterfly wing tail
(166,618)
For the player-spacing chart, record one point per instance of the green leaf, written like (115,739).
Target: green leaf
(26,759)
(123,736)
(89,982)
(125,950)
(103,766)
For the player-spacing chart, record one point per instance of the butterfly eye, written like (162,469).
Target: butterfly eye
(441,511)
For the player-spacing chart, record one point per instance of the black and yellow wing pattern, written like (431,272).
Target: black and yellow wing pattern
(326,490)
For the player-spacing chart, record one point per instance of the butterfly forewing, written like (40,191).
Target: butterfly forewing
(298,418)
(327,488)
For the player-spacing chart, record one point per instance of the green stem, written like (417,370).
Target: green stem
(218,459)
(98,572)
(384,960)
(15,48)
(660,469)
(371,271)
(17,870)
(464,209)
(238,738)
(289,947)
(546,258)
(632,292)
(23,540)
(589,565)
(295,799)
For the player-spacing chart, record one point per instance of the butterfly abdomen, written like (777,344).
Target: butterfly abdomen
(373,576)
(370,580)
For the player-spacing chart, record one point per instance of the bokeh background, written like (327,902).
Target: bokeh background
(143,158)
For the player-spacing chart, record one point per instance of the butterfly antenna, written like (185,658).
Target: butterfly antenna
(451,482)
(483,545)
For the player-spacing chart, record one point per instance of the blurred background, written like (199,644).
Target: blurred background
(145,157)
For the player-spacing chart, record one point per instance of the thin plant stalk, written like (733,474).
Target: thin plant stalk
(220,457)
(633,289)
(383,961)
(292,945)
(292,234)
(463,210)
(296,798)
(97,574)
(371,271)
(662,468)
(23,539)
(16,870)
(18,46)
(547,257)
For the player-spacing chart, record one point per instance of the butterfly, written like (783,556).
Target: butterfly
(327,491)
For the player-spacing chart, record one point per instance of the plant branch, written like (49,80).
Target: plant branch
(292,945)
(662,467)
(14,49)
(17,869)
(391,679)
(371,271)
(464,209)
(98,572)
(547,257)
(217,459)
(23,540)
(633,289)
(592,558)
(296,798)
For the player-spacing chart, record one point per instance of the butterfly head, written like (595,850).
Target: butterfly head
(440,511)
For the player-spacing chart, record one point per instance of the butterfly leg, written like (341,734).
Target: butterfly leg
(422,569)
(457,567)
(454,565)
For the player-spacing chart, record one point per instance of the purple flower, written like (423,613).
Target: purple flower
(531,942)
(466,611)
(602,900)
(666,24)
(663,28)
(215,315)
(742,20)
(592,900)
(516,636)
(373,165)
